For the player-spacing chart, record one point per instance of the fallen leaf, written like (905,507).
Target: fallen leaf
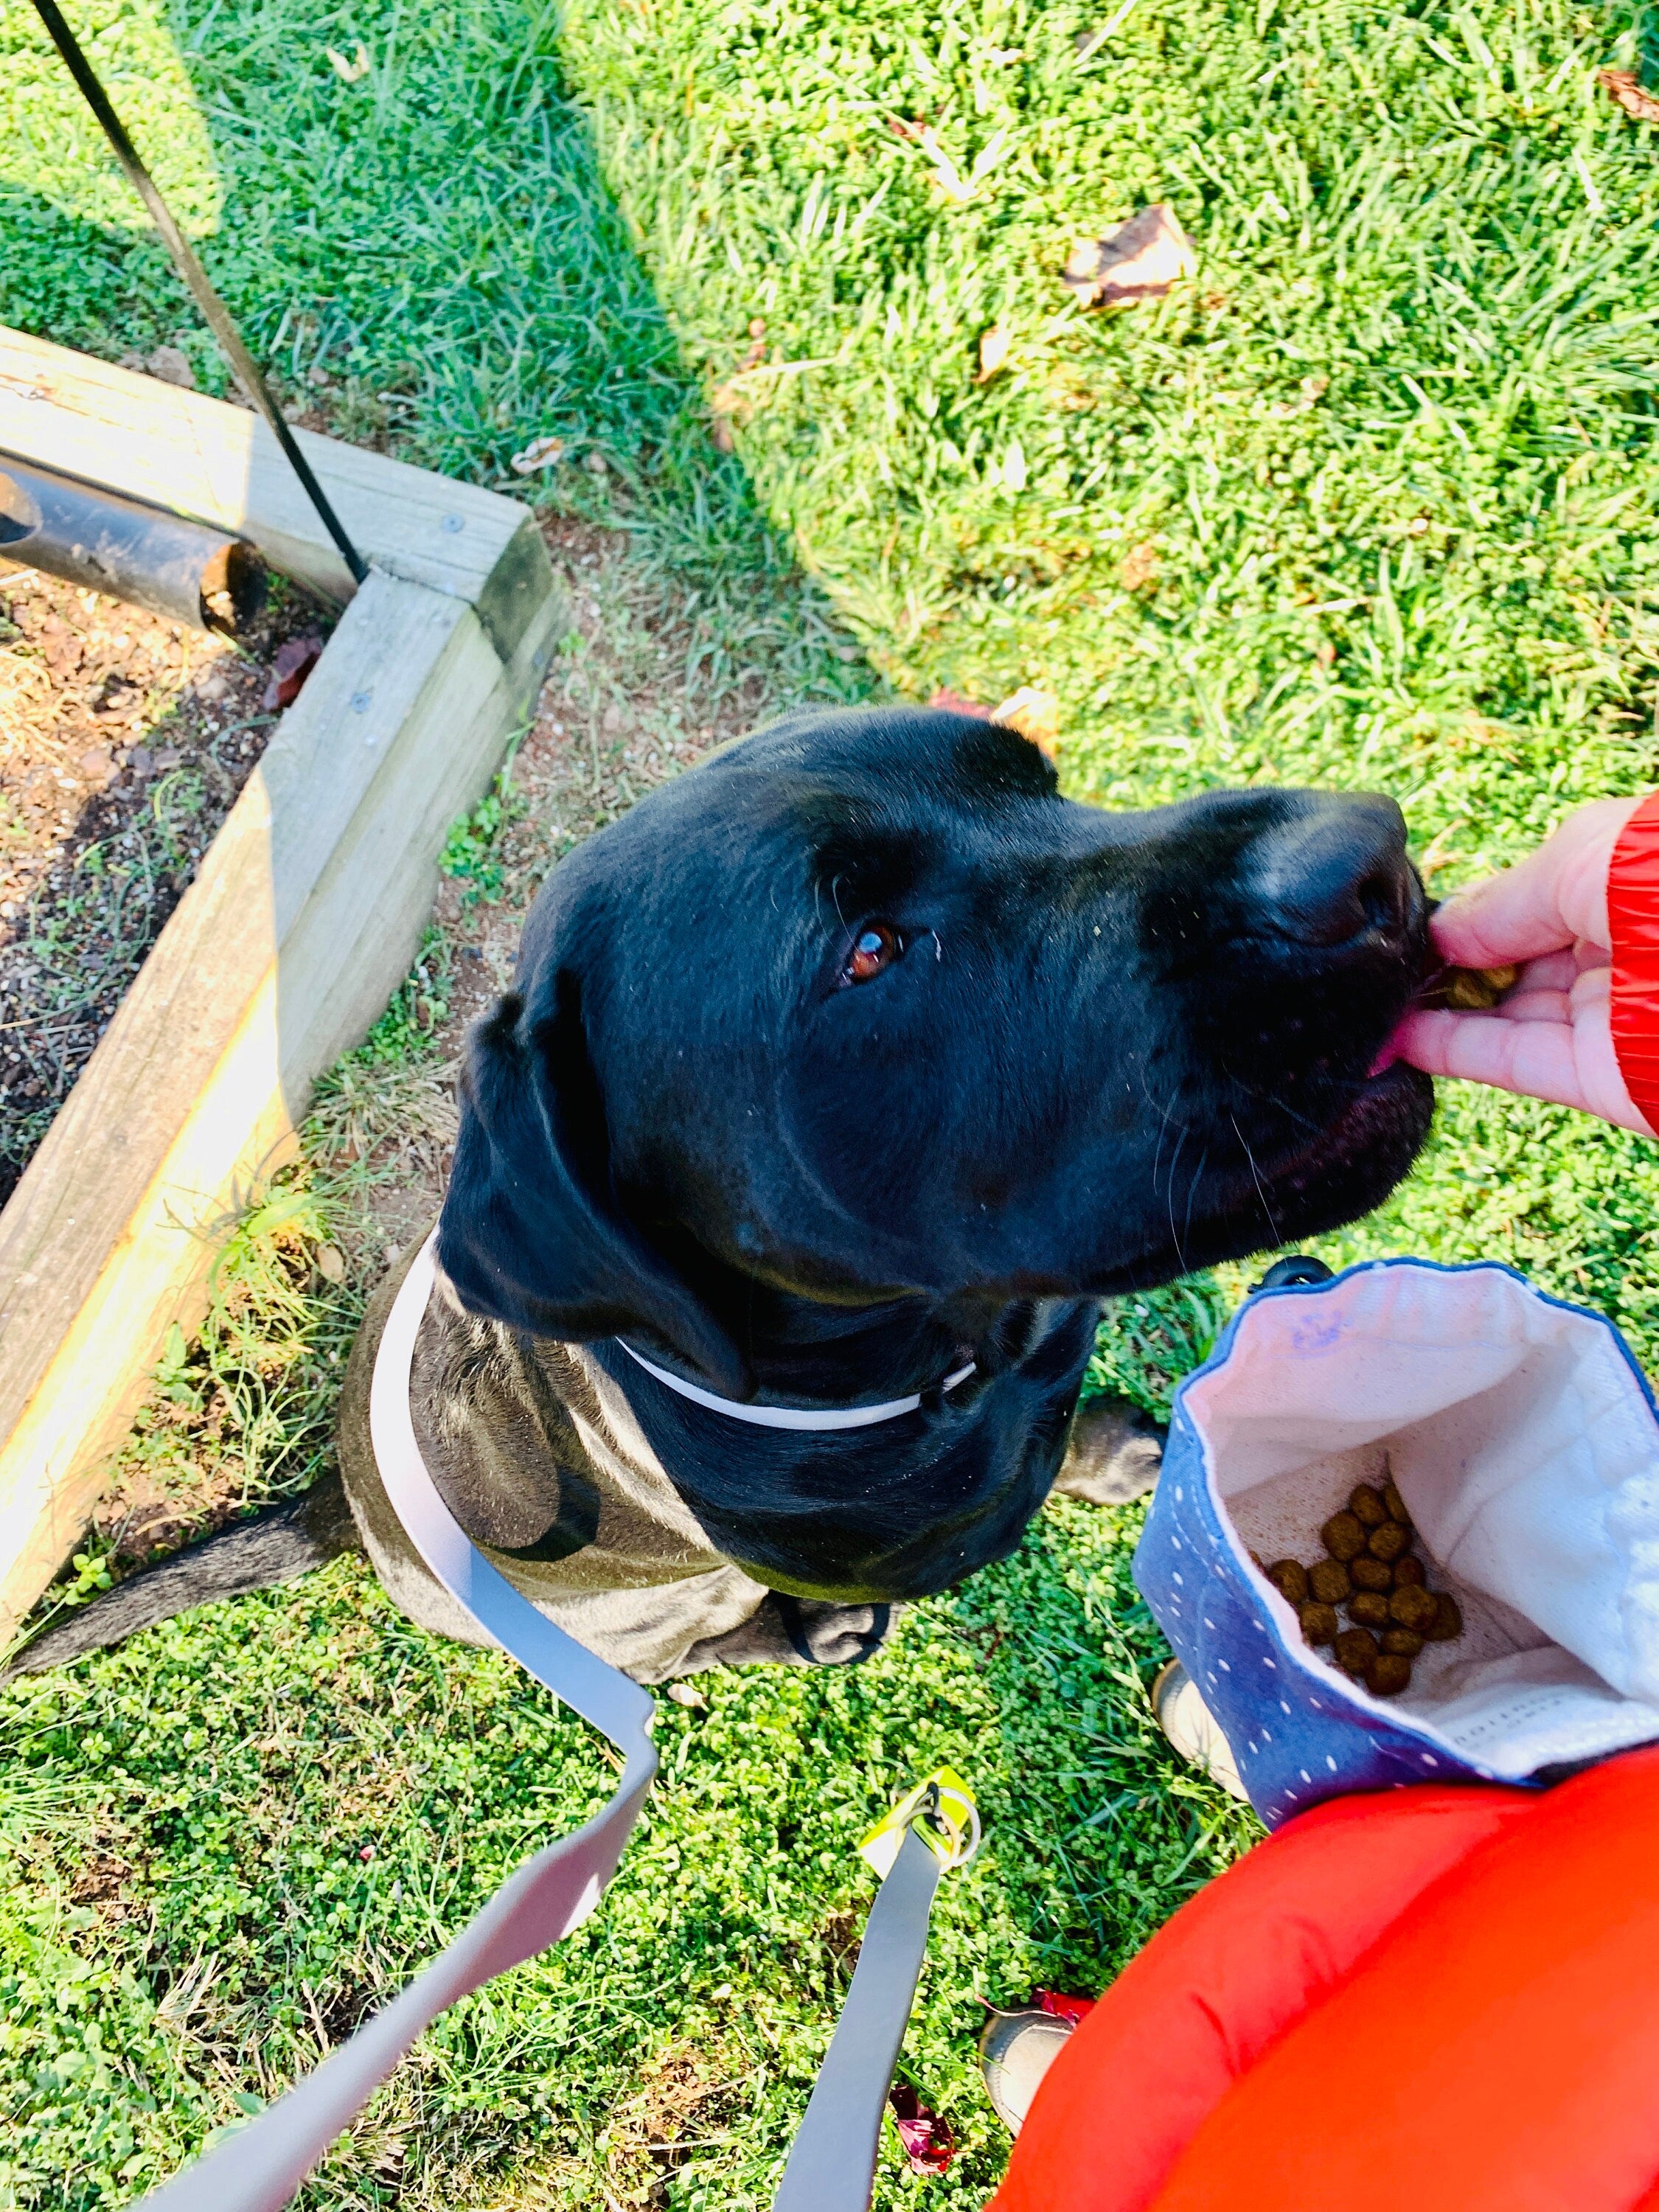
(1035,715)
(684,1693)
(330,1263)
(171,366)
(725,440)
(1623,90)
(952,702)
(994,346)
(294,662)
(1138,567)
(539,453)
(928,2143)
(1141,259)
(349,72)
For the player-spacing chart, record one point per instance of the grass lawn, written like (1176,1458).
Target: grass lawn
(1373,501)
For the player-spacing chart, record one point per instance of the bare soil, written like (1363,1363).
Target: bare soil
(124,742)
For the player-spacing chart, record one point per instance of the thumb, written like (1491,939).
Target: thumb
(1556,896)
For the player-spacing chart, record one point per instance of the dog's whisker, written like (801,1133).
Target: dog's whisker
(1255,1177)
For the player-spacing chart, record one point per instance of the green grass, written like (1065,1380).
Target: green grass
(1372,503)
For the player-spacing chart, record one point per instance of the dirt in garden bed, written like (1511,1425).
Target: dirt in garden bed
(124,741)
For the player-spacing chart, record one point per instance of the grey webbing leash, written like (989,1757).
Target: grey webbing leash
(260,2168)
(832,2162)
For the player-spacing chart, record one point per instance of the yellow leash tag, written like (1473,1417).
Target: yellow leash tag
(942,1812)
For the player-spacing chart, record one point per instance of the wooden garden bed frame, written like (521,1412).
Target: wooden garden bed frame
(304,916)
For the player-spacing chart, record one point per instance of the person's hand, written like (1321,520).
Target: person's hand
(1551,1037)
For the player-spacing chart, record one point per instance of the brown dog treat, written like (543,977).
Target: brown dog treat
(1387,1676)
(1369,1609)
(1475,990)
(1328,1582)
(1407,1568)
(1290,1578)
(1343,1536)
(1403,1643)
(1367,1507)
(1395,1504)
(1368,1574)
(1355,1649)
(1388,1541)
(1414,1607)
(1319,1623)
(1448,1619)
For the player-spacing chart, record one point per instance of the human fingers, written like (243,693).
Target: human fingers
(1556,895)
(1536,1059)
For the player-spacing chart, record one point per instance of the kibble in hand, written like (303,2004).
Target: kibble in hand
(1344,1536)
(1414,1607)
(1407,1568)
(1290,1578)
(1319,1623)
(1402,1643)
(1367,1507)
(1355,1649)
(1368,1574)
(1369,1609)
(1388,1542)
(1447,1618)
(1328,1582)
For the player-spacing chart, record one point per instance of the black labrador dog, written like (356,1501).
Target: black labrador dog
(855,1066)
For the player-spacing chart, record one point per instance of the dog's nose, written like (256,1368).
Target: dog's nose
(1338,875)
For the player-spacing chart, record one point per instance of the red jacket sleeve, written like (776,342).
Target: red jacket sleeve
(1241,1962)
(1633,918)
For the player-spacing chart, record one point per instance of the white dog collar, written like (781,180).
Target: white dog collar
(793,1416)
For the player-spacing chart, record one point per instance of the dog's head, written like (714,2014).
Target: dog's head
(862,1007)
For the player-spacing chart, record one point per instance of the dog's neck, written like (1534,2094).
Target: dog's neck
(806,1353)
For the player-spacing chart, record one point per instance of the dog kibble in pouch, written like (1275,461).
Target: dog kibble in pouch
(1415,1608)
(1369,1609)
(1355,1649)
(1448,1619)
(1407,1568)
(1367,1507)
(1390,1541)
(1389,1674)
(1344,1536)
(1319,1623)
(1290,1578)
(1401,1643)
(1328,1582)
(1370,1574)
(1395,1504)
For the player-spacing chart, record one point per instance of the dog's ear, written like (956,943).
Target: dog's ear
(530,1233)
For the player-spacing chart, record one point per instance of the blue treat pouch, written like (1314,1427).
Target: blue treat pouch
(1522,1437)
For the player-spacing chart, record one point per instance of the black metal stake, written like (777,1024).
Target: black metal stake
(184,257)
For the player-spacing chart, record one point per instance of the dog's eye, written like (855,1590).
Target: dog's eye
(876,945)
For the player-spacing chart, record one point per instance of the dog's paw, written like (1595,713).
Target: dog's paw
(1114,1454)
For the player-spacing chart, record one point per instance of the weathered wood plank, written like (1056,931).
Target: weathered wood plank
(303,918)
(218,463)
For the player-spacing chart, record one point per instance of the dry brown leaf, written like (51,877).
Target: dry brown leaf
(1623,90)
(349,72)
(1138,567)
(1141,259)
(994,346)
(539,453)
(1035,715)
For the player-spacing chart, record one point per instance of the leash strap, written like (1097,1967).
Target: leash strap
(831,2167)
(832,2164)
(259,2167)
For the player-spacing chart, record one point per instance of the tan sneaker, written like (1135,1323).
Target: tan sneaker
(1192,1729)
(1015,2049)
